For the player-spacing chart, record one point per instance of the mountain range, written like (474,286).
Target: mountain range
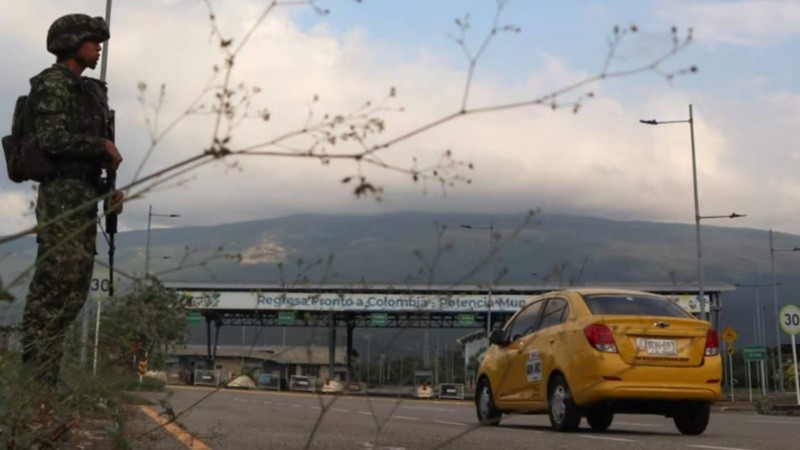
(452,248)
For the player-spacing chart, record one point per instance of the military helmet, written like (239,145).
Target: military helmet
(67,32)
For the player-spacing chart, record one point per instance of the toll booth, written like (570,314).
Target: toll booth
(423,384)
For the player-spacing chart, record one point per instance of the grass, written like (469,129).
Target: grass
(33,415)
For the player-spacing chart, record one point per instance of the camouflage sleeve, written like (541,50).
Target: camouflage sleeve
(52,116)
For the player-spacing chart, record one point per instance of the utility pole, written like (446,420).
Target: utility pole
(772,251)
(111,218)
(705,311)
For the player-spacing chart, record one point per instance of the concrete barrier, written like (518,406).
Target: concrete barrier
(156,375)
(242,382)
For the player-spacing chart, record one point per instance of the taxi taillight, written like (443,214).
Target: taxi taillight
(600,337)
(712,343)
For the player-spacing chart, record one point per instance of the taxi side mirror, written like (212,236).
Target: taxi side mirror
(498,337)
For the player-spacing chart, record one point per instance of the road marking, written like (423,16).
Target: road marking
(450,403)
(428,409)
(297,406)
(634,424)
(588,436)
(371,446)
(774,421)
(185,438)
(716,448)
(266,403)
(444,422)
(341,410)
(405,418)
(364,413)
(318,408)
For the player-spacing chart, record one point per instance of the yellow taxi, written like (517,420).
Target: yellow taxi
(596,352)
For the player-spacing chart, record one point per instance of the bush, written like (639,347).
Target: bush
(763,404)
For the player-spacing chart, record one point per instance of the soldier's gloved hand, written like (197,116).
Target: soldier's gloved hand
(114,158)
(116,202)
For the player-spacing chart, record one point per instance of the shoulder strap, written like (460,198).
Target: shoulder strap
(96,89)
(20,116)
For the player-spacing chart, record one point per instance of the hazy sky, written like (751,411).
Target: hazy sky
(601,161)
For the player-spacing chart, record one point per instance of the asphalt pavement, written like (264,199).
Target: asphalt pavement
(277,420)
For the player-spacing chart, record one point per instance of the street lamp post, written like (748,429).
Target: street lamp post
(150,215)
(705,314)
(772,251)
(489,268)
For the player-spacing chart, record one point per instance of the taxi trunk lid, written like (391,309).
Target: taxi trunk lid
(659,341)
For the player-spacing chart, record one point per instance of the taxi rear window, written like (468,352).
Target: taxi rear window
(633,305)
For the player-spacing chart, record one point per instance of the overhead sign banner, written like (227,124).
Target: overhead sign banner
(379,319)
(286,318)
(690,303)
(333,302)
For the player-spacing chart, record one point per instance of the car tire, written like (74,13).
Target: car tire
(488,414)
(564,413)
(693,418)
(599,420)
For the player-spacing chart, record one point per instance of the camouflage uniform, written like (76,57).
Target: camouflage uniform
(69,116)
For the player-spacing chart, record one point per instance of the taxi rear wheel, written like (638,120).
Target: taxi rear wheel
(599,420)
(564,413)
(484,404)
(693,418)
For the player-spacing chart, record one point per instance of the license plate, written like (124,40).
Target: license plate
(657,346)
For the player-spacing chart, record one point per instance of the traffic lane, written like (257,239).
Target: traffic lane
(234,419)
(627,429)
(286,420)
(726,431)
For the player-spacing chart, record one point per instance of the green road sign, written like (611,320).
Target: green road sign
(754,353)
(466,319)
(379,319)
(286,317)
(194,317)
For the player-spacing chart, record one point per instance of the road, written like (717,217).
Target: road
(273,420)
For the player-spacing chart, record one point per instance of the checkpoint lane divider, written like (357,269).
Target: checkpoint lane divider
(393,399)
(182,436)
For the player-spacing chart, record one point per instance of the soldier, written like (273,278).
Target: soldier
(70,122)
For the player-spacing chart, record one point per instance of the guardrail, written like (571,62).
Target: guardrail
(269,381)
(206,377)
(454,391)
(302,383)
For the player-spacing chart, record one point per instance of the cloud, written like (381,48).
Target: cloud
(600,161)
(743,23)
(15,212)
